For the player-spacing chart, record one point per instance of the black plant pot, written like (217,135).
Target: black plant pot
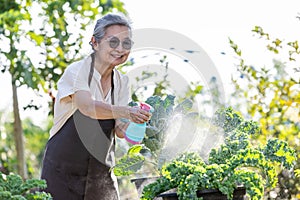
(140,183)
(208,194)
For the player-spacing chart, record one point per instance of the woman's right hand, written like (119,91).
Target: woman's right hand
(138,115)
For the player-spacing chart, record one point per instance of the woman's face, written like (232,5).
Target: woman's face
(113,48)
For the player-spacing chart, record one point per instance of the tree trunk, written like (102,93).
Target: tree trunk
(18,134)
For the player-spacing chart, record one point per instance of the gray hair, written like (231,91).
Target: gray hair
(109,20)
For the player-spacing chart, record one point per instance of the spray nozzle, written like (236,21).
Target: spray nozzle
(146,107)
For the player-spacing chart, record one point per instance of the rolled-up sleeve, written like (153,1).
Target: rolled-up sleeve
(75,78)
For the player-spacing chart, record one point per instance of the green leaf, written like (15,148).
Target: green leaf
(128,165)
(38,196)
(37,38)
(135,149)
(32,184)
(168,101)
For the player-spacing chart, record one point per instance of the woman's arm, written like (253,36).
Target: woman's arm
(101,110)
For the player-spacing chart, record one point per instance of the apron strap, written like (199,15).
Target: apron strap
(91,69)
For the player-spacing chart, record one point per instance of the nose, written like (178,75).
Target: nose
(119,47)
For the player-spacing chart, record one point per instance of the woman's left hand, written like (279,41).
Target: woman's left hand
(139,115)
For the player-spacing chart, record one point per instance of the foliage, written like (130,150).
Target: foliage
(156,131)
(13,187)
(271,94)
(157,126)
(7,152)
(235,163)
(130,163)
(35,140)
(8,155)
(16,64)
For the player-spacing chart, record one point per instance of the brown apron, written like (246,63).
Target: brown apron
(74,163)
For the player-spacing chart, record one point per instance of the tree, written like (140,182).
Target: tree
(10,22)
(54,30)
(272,95)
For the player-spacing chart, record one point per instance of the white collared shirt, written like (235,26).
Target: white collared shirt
(75,78)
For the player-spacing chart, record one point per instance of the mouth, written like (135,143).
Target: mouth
(117,56)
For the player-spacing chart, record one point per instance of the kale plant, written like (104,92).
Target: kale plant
(13,187)
(236,162)
(155,135)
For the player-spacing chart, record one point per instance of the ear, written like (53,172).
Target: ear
(93,41)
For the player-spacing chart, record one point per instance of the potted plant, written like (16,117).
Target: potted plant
(235,163)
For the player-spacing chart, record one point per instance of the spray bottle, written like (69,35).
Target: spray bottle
(135,133)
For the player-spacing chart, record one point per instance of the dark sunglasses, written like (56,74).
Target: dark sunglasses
(114,42)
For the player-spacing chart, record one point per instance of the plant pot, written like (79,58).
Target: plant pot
(140,183)
(207,194)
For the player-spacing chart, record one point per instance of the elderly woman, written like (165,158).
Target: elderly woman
(92,98)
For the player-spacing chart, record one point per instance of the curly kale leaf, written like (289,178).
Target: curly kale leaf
(279,151)
(12,186)
(128,165)
(131,162)
(227,118)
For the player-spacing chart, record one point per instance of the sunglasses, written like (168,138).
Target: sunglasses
(114,42)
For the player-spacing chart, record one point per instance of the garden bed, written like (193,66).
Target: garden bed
(207,194)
